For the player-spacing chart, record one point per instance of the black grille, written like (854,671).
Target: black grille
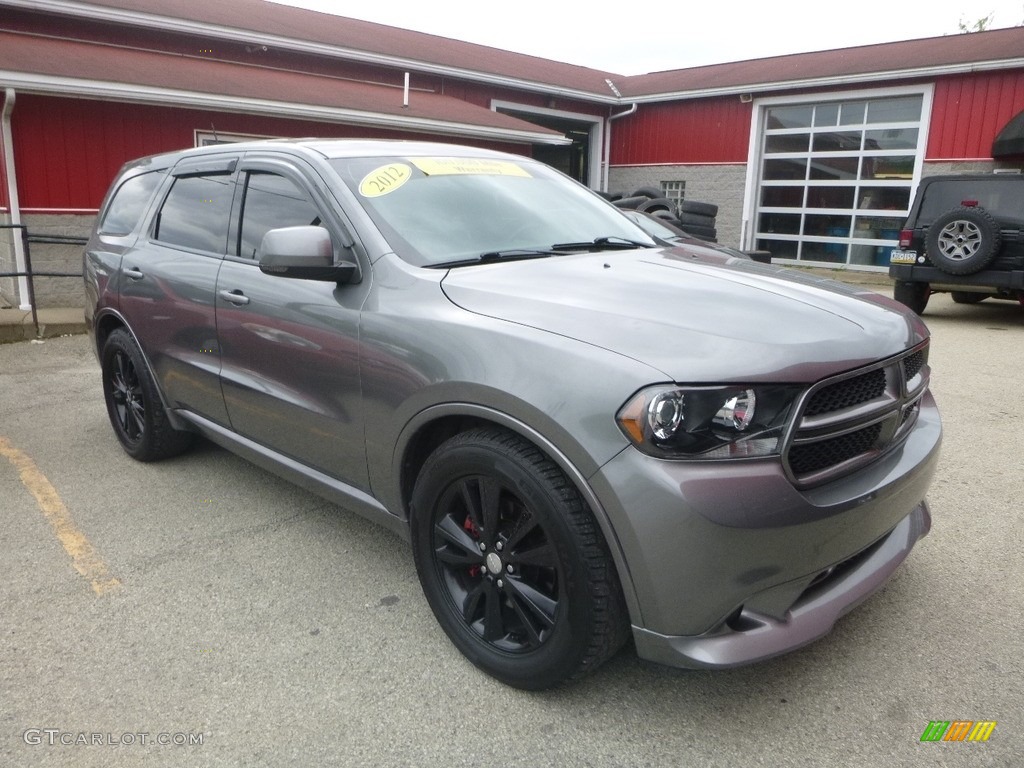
(846,393)
(913,364)
(811,457)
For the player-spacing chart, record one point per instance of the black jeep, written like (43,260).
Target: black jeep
(963,237)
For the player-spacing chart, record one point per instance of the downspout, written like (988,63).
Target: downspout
(608,142)
(7,140)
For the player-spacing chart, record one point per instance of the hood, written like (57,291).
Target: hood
(696,317)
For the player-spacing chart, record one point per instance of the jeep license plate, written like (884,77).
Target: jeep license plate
(902,257)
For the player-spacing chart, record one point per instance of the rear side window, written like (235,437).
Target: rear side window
(129,203)
(195,213)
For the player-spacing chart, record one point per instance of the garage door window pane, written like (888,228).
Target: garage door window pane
(830,197)
(884,198)
(834,167)
(785,169)
(827,226)
(790,117)
(888,167)
(844,141)
(834,253)
(787,142)
(780,223)
(782,197)
(826,114)
(891,138)
(901,110)
(852,113)
(780,249)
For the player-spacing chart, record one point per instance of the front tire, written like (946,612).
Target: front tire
(133,402)
(512,561)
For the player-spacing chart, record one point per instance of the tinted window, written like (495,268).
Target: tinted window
(195,213)
(999,196)
(272,201)
(129,203)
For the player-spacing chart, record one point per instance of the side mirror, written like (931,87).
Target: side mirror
(305,253)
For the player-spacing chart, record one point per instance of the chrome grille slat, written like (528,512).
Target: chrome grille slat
(851,420)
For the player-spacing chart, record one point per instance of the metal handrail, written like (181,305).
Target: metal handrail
(31,274)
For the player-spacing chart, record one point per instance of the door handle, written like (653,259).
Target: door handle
(236,297)
(134,273)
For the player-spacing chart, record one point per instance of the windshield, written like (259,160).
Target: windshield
(444,210)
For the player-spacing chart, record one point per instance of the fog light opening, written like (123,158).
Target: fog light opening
(738,621)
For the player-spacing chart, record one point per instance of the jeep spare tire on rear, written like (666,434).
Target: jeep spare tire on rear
(963,241)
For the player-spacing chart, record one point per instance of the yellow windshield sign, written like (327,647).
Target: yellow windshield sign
(384,180)
(454,166)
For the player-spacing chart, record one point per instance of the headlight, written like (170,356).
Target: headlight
(708,422)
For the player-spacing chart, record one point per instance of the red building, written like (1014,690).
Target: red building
(812,156)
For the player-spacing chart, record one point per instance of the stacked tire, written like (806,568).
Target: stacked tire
(693,217)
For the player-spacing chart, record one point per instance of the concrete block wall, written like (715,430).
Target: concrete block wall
(721,184)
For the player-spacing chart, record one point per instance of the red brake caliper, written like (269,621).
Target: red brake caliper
(474,570)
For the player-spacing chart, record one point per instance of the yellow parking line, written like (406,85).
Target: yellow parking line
(84,556)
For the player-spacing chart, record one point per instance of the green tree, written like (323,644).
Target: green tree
(978,26)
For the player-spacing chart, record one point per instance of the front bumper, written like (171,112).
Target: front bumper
(752,636)
(730,563)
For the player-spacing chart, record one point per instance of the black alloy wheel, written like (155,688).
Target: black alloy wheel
(133,403)
(513,563)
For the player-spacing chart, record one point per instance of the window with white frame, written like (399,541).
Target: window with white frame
(674,191)
(836,178)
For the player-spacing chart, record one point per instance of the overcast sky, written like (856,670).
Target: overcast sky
(631,37)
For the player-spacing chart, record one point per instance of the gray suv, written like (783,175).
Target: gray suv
(585,436)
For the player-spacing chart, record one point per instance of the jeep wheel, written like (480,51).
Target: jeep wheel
(963,241)
(512,562)
(913,295)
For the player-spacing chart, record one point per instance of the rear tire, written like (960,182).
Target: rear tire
(133,402)
(912,295)
(513,563)
(968,297)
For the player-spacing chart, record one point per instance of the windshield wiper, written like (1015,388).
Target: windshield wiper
(512,254)
(613,243)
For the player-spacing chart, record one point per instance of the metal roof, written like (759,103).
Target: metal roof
(40,64)
(927,57)
(265,23)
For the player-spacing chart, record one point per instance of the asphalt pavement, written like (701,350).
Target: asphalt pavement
(200,612)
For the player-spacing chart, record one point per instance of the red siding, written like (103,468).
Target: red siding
(704,131)
(970,110)
(67,151)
